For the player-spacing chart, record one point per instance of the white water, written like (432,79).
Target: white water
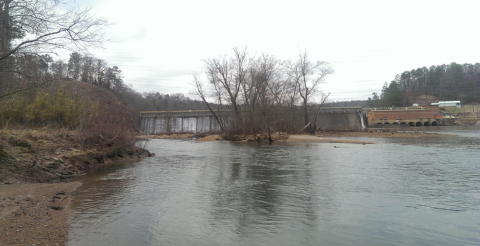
(360,114)
(178,125)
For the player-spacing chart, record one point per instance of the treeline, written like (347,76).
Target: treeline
(33,87)
(446,82)
(261,93)
(95,71)
(86,68)
(40,70)
(156,101)
(352,103)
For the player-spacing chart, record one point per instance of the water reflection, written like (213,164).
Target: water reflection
(395,192)
(260,187)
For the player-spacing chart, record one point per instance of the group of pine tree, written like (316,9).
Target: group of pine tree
(444,82)
(32,34)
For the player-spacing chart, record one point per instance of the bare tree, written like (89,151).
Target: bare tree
(306,76)
(266,78)
(200,92)
(44,26)
(262,93)
(37,27)
(227,76)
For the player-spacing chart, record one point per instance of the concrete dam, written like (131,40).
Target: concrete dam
(198,121)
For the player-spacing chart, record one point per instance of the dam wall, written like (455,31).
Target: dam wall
(353,119)
(203,121)
(178,124)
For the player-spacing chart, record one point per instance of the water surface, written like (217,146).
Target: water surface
(417,191)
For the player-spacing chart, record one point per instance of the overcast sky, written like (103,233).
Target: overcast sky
(159,44)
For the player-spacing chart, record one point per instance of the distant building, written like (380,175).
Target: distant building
(414,116)
(457,104)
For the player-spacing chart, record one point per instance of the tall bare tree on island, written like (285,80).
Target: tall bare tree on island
(262,93)
(306,76)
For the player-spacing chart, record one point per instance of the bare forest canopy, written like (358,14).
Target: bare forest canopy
(262,92)
(444,82)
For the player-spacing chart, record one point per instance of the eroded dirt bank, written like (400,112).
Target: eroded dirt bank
(35,167)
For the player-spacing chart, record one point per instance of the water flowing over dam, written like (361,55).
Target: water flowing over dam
(198,121)
(178,122)
(340,119)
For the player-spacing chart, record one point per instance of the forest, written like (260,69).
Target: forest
(444,82)
(82,95)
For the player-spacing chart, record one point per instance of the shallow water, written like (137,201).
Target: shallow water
(395,192)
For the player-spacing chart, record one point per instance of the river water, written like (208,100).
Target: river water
(416,191)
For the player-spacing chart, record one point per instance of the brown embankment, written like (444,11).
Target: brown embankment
(34,195)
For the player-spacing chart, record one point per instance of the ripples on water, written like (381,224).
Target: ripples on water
(395,192)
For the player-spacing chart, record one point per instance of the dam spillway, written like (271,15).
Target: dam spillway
(200,121)
(154,122)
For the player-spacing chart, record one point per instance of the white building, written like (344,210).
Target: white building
(457,104)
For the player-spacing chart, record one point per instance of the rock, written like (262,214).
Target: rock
(55,207)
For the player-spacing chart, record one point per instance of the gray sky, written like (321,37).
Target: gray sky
(159,44)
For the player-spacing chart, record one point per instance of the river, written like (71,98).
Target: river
(410,191)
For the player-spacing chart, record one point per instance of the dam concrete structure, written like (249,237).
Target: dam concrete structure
(324,119)
(186,121)
(198,121)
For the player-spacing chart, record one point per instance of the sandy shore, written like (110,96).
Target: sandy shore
(317,139)
(320,137)
(302,138)
(35,214)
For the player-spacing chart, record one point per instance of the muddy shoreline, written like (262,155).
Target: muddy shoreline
(35,167)
(35,214)
(319,137)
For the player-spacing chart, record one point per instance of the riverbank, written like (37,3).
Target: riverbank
(35,166)
(319,137)
(46,156)
(35,214)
